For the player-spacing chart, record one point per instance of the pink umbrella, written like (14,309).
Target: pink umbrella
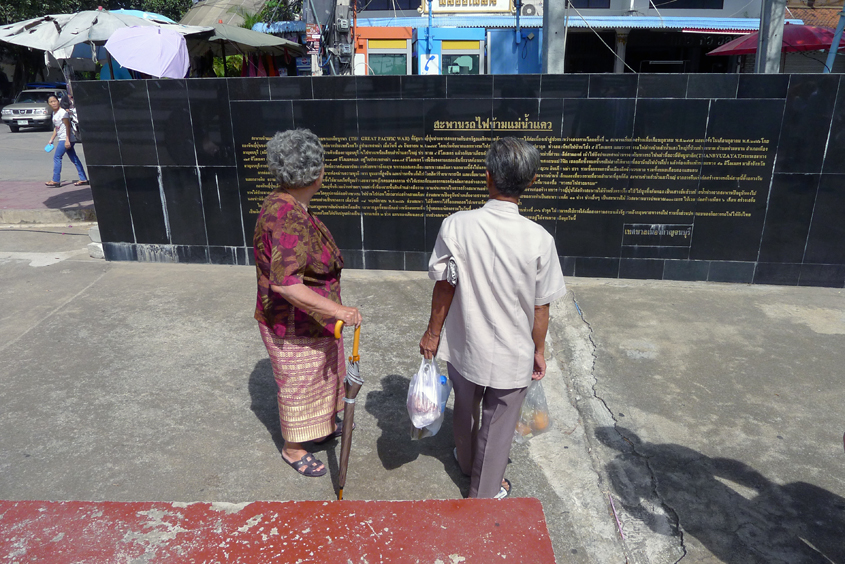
(150,50)
(795,38)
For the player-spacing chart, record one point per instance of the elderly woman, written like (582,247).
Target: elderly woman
(298,266)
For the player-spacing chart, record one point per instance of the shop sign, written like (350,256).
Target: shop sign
(467,6)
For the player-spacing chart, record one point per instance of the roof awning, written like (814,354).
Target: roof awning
(689,24)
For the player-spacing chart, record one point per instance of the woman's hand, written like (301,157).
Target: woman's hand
(67,144)
(349,315)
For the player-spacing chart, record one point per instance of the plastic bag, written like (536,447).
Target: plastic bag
(534,416)
(445,387)
(424,395)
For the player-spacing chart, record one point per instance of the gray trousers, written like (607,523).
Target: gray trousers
(483,422)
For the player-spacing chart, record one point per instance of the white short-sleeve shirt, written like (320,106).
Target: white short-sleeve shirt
(506,265)
(60,127)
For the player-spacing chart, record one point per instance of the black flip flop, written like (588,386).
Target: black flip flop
(310,463)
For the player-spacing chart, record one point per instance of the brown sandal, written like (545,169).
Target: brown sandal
(81,183)
(52,184)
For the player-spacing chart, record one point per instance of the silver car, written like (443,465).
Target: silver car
(30,109)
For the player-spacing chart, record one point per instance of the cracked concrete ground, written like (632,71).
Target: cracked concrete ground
(714,416)
(691,422)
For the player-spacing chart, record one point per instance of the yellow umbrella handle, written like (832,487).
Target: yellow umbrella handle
(337,332)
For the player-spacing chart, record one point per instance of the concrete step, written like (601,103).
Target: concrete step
(465,531)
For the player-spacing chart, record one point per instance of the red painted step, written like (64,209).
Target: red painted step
(445,531)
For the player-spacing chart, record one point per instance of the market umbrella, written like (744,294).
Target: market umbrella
(795,38)
(97,26)
(238,39)
(145,15)
(352,383)
(38,33)
(150,50)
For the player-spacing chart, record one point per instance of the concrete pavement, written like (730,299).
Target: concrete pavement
(692,422)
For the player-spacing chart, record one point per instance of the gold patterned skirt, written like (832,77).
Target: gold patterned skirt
(309,375)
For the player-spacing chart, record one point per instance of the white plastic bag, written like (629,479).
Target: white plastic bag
(445,387)
(534,416)
(424,395)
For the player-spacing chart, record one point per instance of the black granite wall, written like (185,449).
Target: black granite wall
(728,178)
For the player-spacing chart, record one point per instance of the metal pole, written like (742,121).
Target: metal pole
(770,37)
(554,36)
(428,30)
(834,45)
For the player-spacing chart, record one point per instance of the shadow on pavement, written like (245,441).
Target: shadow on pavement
(262,391)
(732,509)
(394,446)
(78,198)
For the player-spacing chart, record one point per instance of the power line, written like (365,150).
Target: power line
(611,49)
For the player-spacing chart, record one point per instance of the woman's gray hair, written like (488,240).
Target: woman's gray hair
(512,163)
(295,157)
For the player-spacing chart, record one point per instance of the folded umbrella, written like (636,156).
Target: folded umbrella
(150,50)
(352,383)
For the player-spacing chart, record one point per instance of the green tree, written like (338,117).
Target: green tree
(232,68)
(12,11)
(250,18)
(281,11)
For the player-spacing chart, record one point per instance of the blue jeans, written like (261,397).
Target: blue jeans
(57,161)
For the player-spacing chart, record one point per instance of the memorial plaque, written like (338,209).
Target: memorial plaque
(114,218)
(595,163)
(146,203)
(254,124)
(171,117)
(133,124)
(337,203)
(735,178)
(183,202)
(392,171)
(211,121)
(732,178)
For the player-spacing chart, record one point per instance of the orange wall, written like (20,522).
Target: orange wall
(362,34)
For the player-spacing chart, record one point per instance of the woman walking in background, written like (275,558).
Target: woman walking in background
(298,266)
(63,134)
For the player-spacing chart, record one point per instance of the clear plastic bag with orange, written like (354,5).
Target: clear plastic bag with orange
(534,416)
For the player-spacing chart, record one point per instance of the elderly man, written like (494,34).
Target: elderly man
(496,273)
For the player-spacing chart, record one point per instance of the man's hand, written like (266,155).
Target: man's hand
(429,344)
(539,366)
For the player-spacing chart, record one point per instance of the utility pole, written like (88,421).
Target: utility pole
(313,37)
(834,45)
(770,37)
(554,35)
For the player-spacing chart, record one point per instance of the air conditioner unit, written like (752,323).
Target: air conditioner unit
(529,10)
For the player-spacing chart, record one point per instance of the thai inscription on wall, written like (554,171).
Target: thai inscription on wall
(442,171)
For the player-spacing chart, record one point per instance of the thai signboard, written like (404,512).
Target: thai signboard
(467,6)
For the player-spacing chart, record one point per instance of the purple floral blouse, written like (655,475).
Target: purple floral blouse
(291,247)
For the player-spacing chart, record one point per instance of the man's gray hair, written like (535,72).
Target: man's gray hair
(512,163)
(295,157)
